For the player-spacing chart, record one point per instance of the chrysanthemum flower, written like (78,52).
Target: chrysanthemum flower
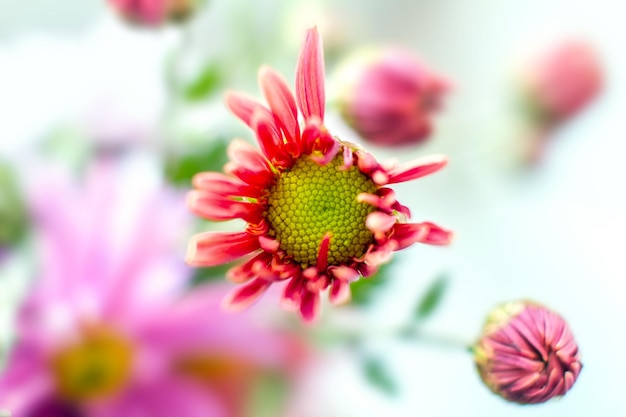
(388,96)
(318,210)
(107,330)
(527,353)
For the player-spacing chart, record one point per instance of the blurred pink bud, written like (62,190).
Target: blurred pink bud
(527,353)
(560,81)
(389,96)
(154,12)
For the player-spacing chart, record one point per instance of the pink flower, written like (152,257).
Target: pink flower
(319,211)
(108,330)
(389,96)
(560,81)
(527,353)
(154,12)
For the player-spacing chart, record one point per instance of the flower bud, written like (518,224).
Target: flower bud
(527,353)
(154,12)
(389,96)
(558,82)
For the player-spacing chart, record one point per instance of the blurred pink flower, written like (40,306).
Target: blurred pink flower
(318,210)
(154,12)
(527,353)
(108,329)
(560,81)
(389,96)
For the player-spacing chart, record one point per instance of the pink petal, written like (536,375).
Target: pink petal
(219,183)
(248,164)
(216,208)
(407,234)
(270,139)
(281,102)
(416,169)
(249,269)
(245,107)
(243,296)
(216,248)
(339,292)
(344,273)
(322,255)
(437,235)
(380,223)
(310,77)
(348,158)
(310,306)
(268,244)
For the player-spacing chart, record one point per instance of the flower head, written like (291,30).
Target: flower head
(527,353)
(560,81)
(154,12)
(389,96)
(108,331)
(318,210)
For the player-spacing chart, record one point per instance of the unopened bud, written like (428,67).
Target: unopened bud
(389,96)
(527,353)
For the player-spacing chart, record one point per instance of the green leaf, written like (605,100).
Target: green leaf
(205,84)
(212,273)
(378,377)
(432,297)
(181,166)
(268,395)
(363,289)
(13,214)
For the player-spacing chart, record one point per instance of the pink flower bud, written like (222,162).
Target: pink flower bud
(560,81)
(527,353)
(389,96)
(154,12)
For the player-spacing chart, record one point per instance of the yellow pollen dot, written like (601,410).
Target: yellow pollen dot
(310,200)
(93,367)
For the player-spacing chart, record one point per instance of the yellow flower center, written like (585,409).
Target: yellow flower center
(96,366)
(310,200)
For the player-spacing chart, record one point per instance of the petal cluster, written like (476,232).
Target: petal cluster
(287,129)
(527,353)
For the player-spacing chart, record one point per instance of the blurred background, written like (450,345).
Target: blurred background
(537,203)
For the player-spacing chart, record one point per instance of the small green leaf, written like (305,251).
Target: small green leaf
(378,377)
(13,217)
(205,84)
(432,297)
(181,166)
(212,273)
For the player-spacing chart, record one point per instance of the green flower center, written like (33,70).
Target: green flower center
(310,200)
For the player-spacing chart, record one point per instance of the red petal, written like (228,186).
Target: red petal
(416,169)
(322,255)
(281,102)
(216,248)
(270,139)
(217,208)
(310,306)
(310,77)
(245,107)
(339,292)
(242,296)
(224,185)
